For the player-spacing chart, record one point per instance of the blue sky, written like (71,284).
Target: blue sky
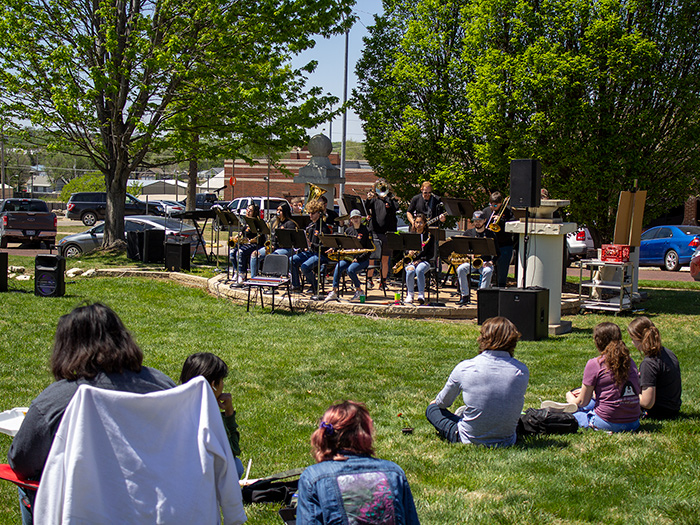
(330,54)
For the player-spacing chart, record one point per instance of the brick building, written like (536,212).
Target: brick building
(250,180)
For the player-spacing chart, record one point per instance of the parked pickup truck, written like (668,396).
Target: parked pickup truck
(26,220)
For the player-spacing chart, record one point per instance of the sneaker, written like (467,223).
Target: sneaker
(240,279)
(370,284)
(567,408)
(332,296)
(382,286)
(421,299)
(460,410)
(356,297)
(408,299)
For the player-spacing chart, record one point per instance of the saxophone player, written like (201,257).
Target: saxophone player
(486,269)
(358,263)
(248,245)
(420,260)
(307,260)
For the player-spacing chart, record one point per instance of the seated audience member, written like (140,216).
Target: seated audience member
(91,347)
(355,264)
(609,396)
(493,386)
(348,484)
(215,370)
(659,372)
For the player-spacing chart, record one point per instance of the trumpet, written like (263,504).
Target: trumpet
(493,225)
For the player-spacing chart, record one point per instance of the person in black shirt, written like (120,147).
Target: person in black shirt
(382,219)
(307,260)
(416,269)
(486,269)
(355,264)
(426,203)
(284,222)
(506,241)
(248,243)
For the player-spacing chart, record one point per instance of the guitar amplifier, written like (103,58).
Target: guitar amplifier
(177,256)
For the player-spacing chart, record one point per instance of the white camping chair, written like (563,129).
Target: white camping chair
(120,457)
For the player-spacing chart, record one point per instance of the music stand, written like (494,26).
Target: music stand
(354,202)
(291,239)
(230,220)
(302,221)
(257,226)
(481,246)
(458,207)
(340,242)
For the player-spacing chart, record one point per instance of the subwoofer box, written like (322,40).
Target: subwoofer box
(528,309)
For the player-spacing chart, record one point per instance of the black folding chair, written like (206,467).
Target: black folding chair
(273,276)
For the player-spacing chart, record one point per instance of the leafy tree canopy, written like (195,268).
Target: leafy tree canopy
(603,93)
(86,182)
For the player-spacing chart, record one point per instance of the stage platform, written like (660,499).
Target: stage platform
(376,305)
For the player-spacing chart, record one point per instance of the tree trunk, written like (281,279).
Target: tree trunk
(114,214)
(192,177)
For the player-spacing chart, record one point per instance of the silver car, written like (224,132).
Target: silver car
(78,243)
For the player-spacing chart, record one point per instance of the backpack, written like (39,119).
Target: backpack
(545,421)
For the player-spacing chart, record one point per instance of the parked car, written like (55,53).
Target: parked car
(167,208)
(579,243)
(240,204)
(202,201)
(74,245)
(26,220)
(669,247)
(90,206)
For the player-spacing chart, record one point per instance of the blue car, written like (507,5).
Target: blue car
(669,247)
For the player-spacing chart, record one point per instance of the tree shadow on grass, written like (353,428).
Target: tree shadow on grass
(672,302)
(542,441)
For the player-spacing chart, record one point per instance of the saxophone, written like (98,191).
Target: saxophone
(408,259)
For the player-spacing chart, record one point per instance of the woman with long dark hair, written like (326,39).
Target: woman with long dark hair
(609,396)
(348,484)
(91,347)
(659,372)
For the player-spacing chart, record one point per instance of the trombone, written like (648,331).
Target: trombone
(493,224)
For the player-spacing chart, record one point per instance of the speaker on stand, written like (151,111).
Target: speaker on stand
(49,276)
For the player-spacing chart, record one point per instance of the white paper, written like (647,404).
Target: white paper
(11,420)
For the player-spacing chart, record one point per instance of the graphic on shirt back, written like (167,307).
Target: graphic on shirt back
(367,498)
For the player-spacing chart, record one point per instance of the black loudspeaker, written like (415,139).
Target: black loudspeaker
(152,247)
(528,309)
(49,276)
(133,252)
(177,256)
(525,182)
(487,303)
(3,271)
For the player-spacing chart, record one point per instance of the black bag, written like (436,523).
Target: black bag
(278,488)
(546,421)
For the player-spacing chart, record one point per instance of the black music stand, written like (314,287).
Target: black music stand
(458,207)
(481,246)
(257,226)
(340,242)
(302,221)
(404,242)
(230,220)
(354,202)
(291,240)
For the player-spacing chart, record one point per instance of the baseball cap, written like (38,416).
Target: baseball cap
(478,216)
(355,213)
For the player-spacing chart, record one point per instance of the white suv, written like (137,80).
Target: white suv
(239,205)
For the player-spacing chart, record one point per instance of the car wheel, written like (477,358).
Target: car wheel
(89,218)
(71,250)
(671,262)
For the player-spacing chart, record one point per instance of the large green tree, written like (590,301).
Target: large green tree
(602,92)
(116,77)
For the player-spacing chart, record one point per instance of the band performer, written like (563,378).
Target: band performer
(283,221)
(307,260)
(382,210)
(486,269)
(248,242)
(355,264)
(426,203)
(506,241)
(420,263)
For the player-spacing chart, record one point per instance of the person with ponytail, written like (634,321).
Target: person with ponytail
(609,396)
(348,484)
(659,372)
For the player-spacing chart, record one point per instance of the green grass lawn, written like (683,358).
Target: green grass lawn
(287,368)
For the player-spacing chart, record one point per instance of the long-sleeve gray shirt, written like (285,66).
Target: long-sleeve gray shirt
(493,387)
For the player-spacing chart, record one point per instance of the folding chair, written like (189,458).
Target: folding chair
(274,275)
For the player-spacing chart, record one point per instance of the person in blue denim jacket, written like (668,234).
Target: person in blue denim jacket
(348,485)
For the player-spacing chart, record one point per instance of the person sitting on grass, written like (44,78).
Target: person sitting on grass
(215,370)
(348,484)
(659,372)
(91,347)
(493,386)
(609,396)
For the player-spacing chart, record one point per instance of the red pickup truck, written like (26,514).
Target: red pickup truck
(27,220)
